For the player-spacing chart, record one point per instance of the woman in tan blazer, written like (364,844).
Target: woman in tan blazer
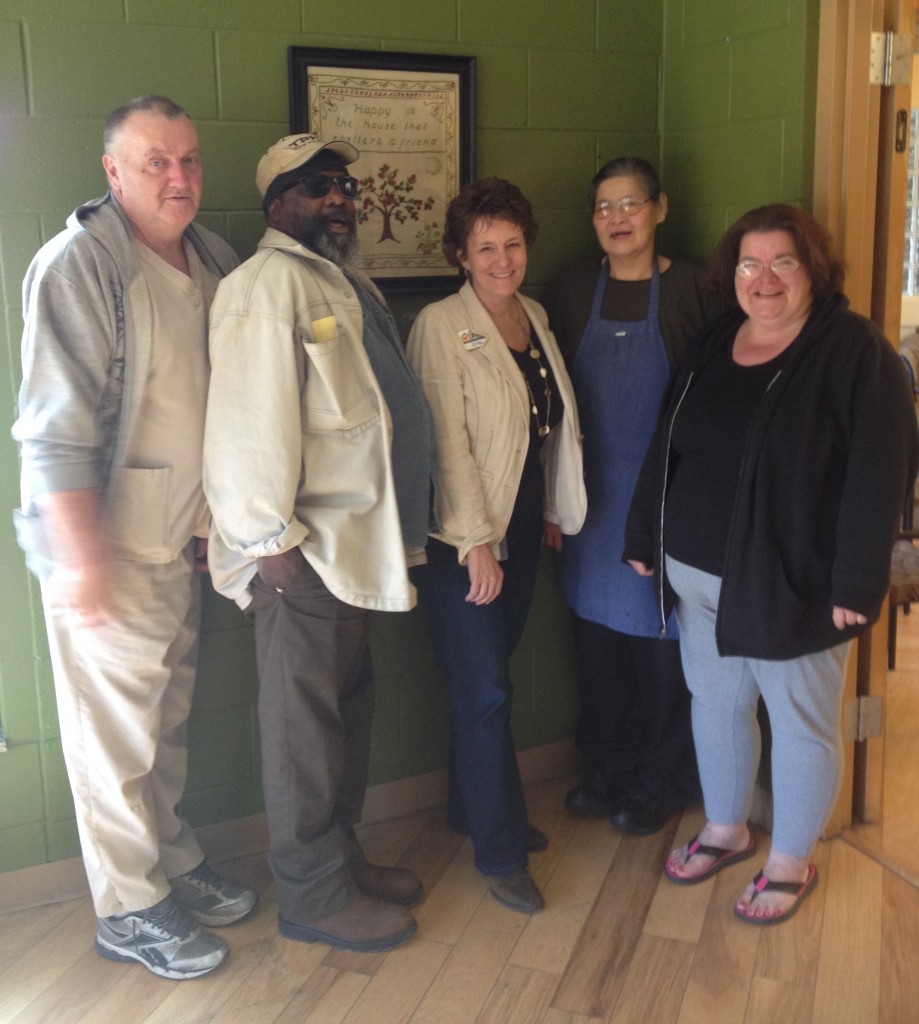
(510,479)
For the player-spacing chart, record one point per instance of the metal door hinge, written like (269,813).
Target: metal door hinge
(862,719)
(891,58)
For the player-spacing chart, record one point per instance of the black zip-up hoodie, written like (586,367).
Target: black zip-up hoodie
(831,452)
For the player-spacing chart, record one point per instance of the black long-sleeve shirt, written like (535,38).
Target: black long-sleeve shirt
(828,458)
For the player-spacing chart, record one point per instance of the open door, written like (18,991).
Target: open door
(860,176)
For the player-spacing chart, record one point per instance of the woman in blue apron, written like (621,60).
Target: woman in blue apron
(621,327)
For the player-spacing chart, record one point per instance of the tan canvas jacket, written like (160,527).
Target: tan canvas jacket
(297,438)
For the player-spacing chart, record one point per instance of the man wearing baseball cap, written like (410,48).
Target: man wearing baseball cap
(318,465)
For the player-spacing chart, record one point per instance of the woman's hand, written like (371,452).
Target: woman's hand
(552,535)
(486,577)
(843,617)
(641,568)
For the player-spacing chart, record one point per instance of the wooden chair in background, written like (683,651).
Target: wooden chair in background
(904,562)
(904,586)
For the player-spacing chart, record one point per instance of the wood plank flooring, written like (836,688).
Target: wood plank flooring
(616,944)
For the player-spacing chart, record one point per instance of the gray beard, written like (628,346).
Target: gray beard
(340,249)
(311,232)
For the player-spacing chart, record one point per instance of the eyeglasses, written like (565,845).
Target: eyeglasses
(627,205)
(315,186)
(781,266)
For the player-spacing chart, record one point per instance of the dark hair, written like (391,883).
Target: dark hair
(141,104)
(627,166)
(813,247)
(488,199)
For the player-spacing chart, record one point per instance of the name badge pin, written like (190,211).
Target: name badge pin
(471,340)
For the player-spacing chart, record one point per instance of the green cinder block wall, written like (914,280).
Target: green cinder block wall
(714,91)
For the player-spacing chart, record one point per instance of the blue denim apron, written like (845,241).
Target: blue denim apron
(619,373)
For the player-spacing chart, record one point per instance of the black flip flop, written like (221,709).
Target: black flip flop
(800,890)
(723,856)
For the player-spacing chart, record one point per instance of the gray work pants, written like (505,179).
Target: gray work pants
(315,714)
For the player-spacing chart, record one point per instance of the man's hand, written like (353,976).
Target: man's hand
(81,581)
(279,571)
(199,547)
(641,568)
(84,592)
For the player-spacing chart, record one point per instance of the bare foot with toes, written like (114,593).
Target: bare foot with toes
(712,849)
(777,891)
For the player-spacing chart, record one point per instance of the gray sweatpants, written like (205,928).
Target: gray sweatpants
(803,697)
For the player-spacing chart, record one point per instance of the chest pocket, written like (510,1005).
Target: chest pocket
(339,395)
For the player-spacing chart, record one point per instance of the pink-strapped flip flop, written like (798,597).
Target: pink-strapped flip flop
(800,890)
(723,856)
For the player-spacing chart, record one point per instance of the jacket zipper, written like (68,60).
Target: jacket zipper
(660,554)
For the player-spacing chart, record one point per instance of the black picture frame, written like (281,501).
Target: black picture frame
(412,118)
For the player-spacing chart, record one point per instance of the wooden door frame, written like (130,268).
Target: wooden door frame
(859,190)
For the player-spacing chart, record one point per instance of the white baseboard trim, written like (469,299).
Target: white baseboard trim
(243,837)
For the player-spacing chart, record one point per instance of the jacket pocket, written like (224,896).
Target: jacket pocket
(340,395)
(139,522)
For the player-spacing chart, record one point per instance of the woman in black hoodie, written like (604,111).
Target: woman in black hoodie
(767,507)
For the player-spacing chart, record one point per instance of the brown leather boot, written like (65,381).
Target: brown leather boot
(365,925)
(394,885)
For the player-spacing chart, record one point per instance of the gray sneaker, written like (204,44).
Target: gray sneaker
(210,899)
(164,939)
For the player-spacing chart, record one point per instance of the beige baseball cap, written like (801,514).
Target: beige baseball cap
(274,171)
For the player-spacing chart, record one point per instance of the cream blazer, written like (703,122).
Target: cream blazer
(481,412)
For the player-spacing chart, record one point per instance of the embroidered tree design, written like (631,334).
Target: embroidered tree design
(391,198)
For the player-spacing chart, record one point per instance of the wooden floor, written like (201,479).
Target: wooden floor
(616,943)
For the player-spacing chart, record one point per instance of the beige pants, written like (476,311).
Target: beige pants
(123,694)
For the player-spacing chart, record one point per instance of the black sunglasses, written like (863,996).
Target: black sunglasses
(315,186)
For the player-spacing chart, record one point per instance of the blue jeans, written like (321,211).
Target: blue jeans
(474,644)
